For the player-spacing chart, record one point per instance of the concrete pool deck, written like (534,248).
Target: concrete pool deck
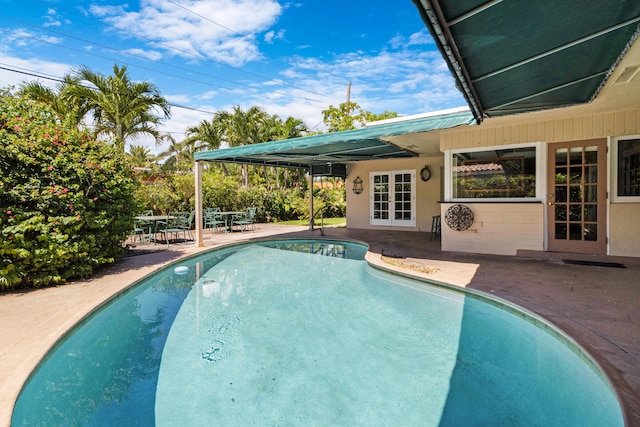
(599,307)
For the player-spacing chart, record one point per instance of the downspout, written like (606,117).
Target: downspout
(197,172)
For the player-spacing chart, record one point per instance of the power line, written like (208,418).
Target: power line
(198,56)
(182,77)
(204,17)
(32,73)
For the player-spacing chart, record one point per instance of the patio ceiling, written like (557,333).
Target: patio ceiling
(324,152)
(513,57)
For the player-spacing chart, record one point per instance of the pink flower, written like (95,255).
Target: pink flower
(70,207)
(50,168)
(8,212)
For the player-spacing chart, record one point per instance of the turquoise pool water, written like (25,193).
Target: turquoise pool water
(306,333)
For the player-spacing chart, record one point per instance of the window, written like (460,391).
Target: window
(393,198)
(626,177)
(498,173)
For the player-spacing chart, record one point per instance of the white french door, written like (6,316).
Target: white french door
(393,198)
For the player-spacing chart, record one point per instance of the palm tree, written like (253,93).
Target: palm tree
(292,128)
(207,135)
(121,108)
(243,128)
(140,156)
(61,101)
(178,156)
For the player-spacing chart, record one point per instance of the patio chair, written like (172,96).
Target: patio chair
(174,225)
(245,220)
(141,231)
(186,221)
(435,228)
(213,219)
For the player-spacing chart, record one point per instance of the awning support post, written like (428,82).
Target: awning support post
(197,172)
(310,199)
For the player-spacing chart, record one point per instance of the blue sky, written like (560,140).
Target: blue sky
(289,58)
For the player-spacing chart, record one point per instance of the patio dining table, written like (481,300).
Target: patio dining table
(228,219)
(154,220)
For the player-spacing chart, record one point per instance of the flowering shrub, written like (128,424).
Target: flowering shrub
(66,200)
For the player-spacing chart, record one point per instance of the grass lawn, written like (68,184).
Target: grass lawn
(327,222)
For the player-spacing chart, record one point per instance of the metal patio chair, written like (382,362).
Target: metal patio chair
(213,219)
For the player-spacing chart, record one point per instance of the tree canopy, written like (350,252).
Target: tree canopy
(120,108)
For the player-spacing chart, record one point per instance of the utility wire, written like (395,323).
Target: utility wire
(182,77)
(32,73)
(196,56)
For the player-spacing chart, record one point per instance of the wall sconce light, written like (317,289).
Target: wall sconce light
(357,185)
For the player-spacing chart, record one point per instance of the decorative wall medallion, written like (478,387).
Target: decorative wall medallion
(425,174)
(459,217)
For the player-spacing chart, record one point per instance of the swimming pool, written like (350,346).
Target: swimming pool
(305,332)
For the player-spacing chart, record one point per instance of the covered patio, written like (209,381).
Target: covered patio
(330,154)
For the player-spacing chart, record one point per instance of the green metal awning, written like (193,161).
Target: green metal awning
(519,56)
(336,148)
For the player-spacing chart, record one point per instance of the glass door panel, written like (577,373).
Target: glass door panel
(576,195)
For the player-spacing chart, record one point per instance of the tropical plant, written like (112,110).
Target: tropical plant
(349,115)
(67,199)
(121,108)
(140,156)
(178,157)
(67,107)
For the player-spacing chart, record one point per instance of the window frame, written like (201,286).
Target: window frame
(540,175)
(391,221)
(615,198)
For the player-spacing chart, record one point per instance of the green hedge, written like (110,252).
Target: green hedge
(66,200)
(177,193)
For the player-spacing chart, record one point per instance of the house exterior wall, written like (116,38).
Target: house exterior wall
(559,129)
(507,227)
(624,229)
(504,227)
(427,193)
(498,228)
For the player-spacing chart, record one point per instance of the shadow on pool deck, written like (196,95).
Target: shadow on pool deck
(597,306)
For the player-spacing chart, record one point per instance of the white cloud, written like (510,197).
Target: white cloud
(151,55)
(270,36)
(223,31)
(22,38)
(24,67)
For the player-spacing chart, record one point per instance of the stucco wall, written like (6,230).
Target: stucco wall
(427,193)
(498,228)
(624,229)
